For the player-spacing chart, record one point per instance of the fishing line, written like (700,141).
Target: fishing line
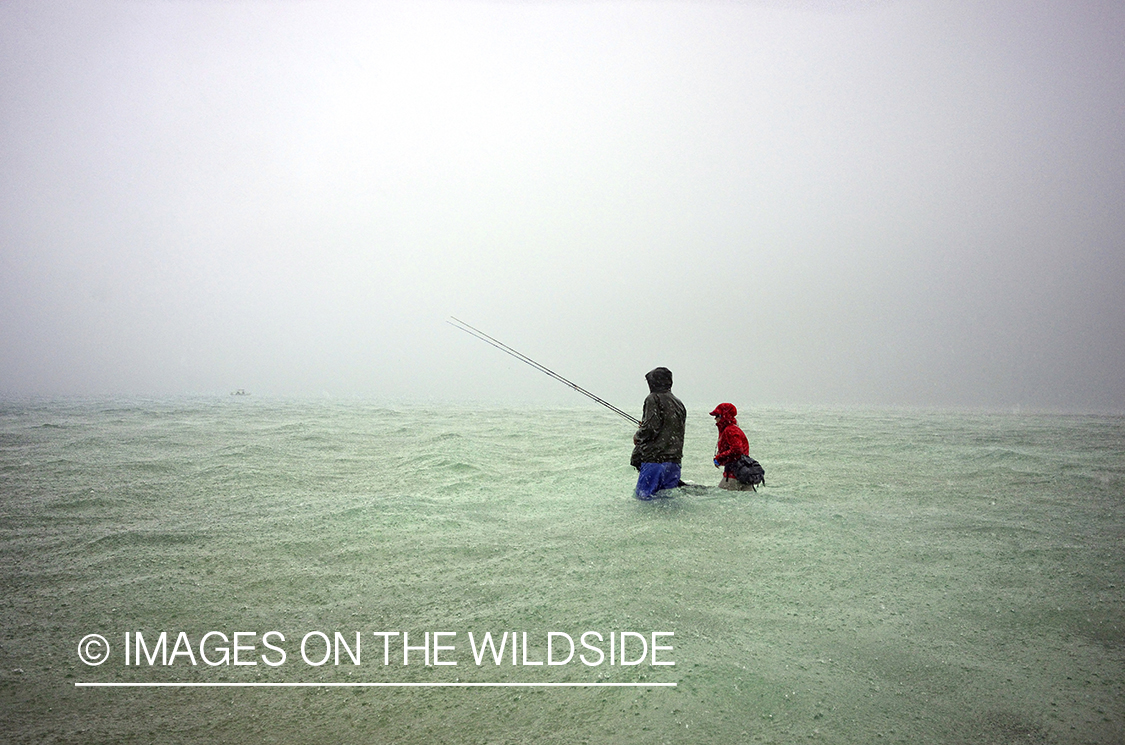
(459,324)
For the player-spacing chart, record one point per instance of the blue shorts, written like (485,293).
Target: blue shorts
(657,476)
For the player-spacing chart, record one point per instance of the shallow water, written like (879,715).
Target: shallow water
(903,576)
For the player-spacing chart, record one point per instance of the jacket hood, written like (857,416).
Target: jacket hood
(726,414)
(659,379)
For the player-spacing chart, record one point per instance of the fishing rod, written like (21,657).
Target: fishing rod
(459,324)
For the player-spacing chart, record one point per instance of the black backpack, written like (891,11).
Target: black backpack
(748,471)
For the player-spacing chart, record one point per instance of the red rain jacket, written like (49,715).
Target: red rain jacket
(732,440)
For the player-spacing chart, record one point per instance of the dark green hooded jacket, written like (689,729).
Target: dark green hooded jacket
(660,438)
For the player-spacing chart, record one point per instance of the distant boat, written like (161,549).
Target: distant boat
(240,392)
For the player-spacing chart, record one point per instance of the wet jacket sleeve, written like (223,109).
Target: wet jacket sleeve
(652,421)
(732,445)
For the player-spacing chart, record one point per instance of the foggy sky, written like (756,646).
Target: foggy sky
(872,203)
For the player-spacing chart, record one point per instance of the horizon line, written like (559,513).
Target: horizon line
(368,685)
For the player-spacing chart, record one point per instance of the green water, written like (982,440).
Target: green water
(938,577)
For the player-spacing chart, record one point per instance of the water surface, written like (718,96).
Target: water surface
(904,576)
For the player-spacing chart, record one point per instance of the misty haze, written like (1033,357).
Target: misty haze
(878,203)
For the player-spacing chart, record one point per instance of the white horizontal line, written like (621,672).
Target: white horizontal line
(374,685)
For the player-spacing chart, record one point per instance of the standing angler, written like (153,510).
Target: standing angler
(659,441)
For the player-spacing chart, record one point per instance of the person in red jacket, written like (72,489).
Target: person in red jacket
(732,446)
